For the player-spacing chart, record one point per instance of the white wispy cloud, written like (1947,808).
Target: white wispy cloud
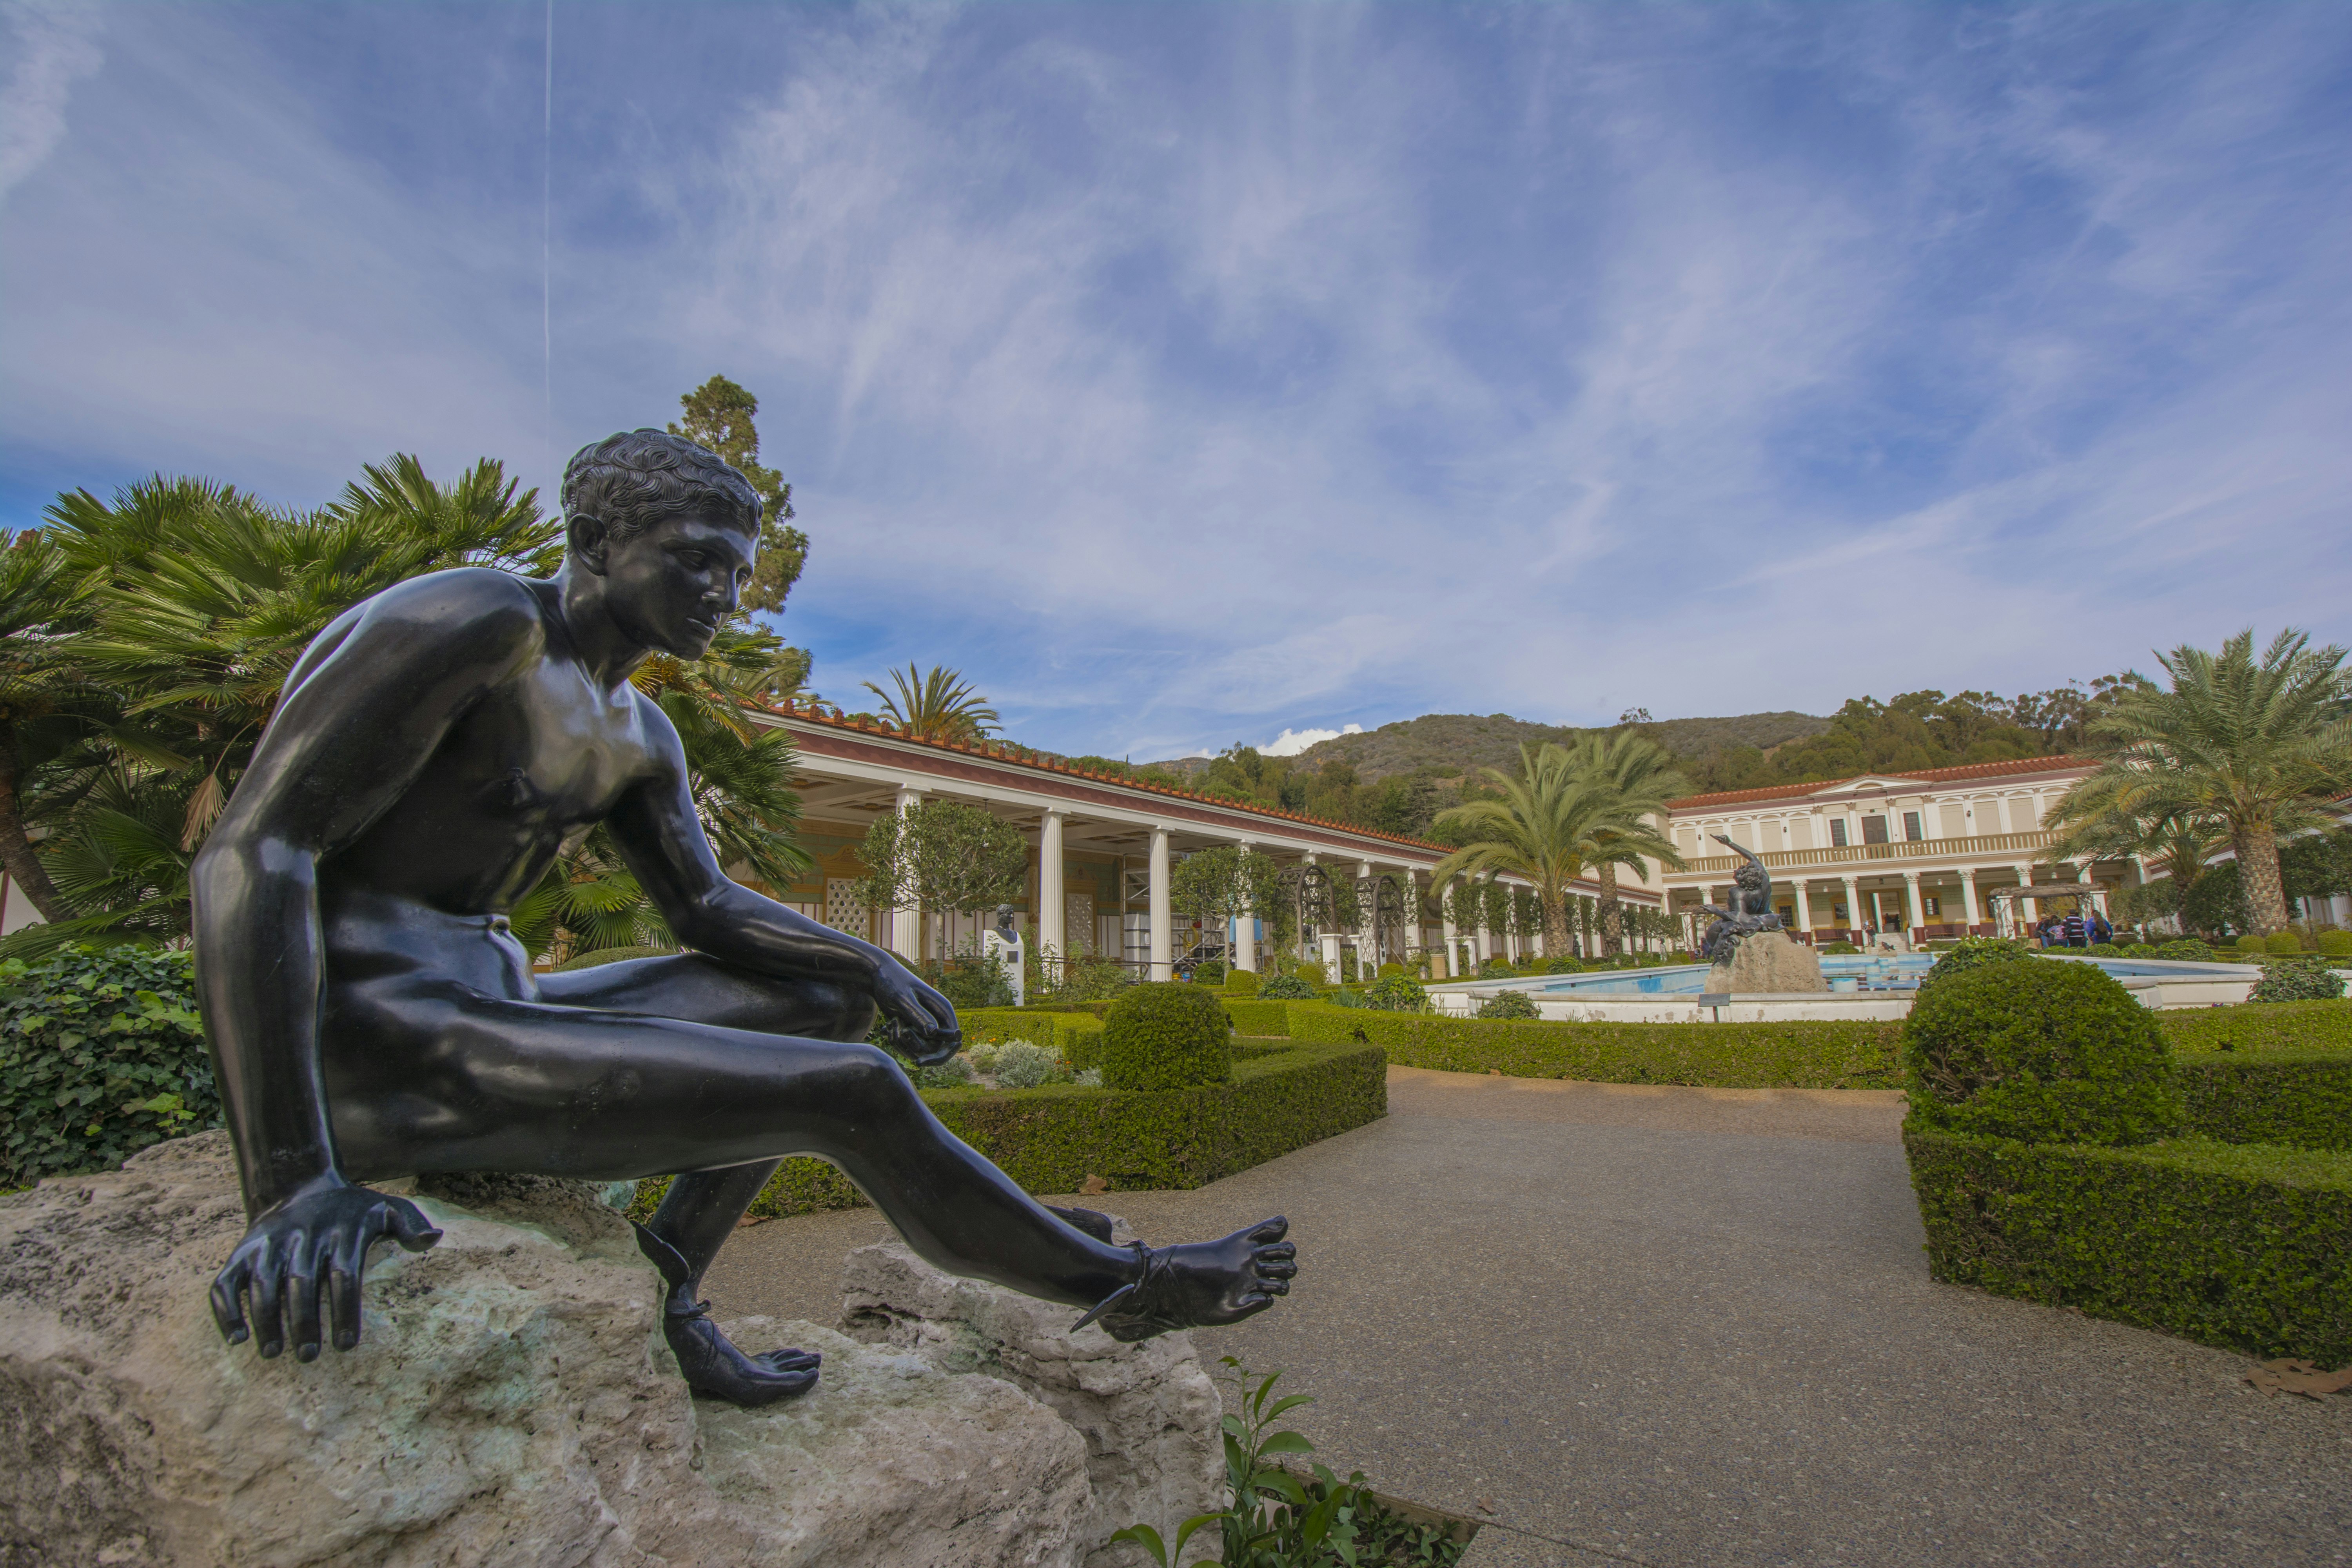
(51,48)
(1176,372)
(1290,743)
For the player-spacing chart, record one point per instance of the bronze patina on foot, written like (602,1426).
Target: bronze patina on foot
(372,1015)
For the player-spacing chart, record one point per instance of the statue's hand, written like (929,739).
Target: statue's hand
(926,1026)
(315,1241)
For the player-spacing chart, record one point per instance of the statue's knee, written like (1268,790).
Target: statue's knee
(875,1079)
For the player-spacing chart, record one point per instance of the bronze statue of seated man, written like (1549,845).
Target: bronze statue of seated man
(372,1015)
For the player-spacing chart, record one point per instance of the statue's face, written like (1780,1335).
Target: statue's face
(669,585)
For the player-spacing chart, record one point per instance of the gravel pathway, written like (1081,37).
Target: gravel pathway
(1680,1326)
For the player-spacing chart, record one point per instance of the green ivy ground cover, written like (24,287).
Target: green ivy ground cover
(2246,1246)
(1050,1140)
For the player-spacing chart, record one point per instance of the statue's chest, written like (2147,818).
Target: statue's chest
(552,755)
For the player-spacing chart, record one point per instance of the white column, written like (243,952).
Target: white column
(1244,943)
(1052,901)
(2092,901)
(1163,922)
(1452,970)
(1804,908)
(907,925)
(1967,895)
(1913,909)
(1853,903)
(2025,907)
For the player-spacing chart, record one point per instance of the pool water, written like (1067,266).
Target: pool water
(1852,972)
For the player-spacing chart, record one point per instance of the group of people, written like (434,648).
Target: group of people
(2076,928)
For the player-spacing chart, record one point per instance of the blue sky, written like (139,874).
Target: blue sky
(1190,374)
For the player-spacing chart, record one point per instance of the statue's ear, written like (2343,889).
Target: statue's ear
(587,538)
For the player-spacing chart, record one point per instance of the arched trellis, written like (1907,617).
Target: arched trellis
(1386,897)
(1309,887)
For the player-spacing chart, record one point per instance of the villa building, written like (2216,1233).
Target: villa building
(1943,852)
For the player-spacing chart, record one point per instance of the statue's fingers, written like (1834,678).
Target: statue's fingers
(1280,1251)
(265,1286)
(1275,1268)
(1272,1229)
(409,1227)
(228,1300)
(302,1312)
(343,1306)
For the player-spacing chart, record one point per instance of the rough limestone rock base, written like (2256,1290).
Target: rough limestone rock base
(1770,961)
(1155,1453)
(512,1406)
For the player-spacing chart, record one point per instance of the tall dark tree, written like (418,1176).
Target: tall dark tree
(718,415)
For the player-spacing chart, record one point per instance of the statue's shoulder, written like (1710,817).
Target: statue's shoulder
(478,604)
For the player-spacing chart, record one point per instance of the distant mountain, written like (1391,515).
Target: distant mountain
(1464,743)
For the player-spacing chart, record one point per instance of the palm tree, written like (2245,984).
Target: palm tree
(1637,777)
(2254,746)
(941,706)
(2121,816)
(47,708)
(1544,825)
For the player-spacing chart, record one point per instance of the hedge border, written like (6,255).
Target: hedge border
(1809,1054)
(1050,1140)
(2259,1027)
(2298,1098)
(2248,1247)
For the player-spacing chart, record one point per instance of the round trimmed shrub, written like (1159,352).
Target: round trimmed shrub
(1509,1005)
(2297,980)
(1386,970)
(1242,982)
(1164,1035)
(2334,944)
(1397,993)
(2285,942)
(1562,966)
(1209,972)
(2045,1053)
(1970,952)
(1497,969)
(1312,974)
(2186,949)
(2252,945)
(1285,988)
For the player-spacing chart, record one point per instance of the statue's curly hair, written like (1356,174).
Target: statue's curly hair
(631,480)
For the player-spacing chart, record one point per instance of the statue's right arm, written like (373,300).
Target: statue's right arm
(362,713)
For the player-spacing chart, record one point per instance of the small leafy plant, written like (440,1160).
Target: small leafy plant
(1509,1005)
(1274,1518)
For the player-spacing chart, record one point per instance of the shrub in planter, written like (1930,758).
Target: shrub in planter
(2284,941)
(2186,949)
(2297,980)
(1509,1005)
(2045,1053)
(101,1054)
(1167,1035)
(1397,993)
(1285,988)
(1970,952)
(1241,983)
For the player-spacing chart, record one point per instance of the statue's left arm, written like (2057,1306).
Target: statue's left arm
(660,836)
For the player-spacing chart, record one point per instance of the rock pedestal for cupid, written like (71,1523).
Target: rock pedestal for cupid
(512,1405)
(1770,961)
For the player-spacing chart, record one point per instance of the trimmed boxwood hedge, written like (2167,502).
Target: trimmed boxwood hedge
(1167,1035)
(2248,1247)
(2303,1097)
(2260,1026)
(1050,1140)
(1808,1054)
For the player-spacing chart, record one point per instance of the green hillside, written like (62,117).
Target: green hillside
(1467,741)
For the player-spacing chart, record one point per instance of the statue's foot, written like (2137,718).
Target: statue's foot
(708,1359)
(1201,1283)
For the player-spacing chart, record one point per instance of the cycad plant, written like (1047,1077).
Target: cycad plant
(2253,746)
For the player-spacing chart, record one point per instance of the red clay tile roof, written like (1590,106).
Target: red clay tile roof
(1125,780)
(2014,766)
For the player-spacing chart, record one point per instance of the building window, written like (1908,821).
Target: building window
(1934,907)
(1837,832)
(1873,830)
(1912,832)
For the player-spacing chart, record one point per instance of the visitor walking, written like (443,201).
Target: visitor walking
(2074,929)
